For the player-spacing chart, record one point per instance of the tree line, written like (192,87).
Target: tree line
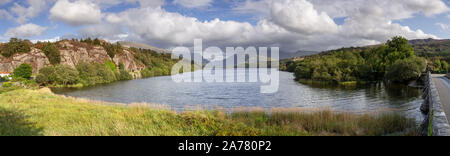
(394,61)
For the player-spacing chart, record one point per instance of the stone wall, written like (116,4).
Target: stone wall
(440,123)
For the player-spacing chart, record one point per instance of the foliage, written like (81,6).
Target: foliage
(124,75)
(95,73)
(406,70)
(15,46)
(61,116)
(353,64)
(23,71)
(52,53)
(158,64)
(111,65)
(57,75)
(3,78)
(113,49)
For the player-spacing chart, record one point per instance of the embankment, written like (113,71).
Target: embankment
(39,112)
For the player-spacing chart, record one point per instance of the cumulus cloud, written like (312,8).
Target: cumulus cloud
(290,24)
(104,31)
(31,9)
(444,27)
(76,13)
(3,2)
(25,31)
(301,17)
(148,3)
(5,14)
(193,3)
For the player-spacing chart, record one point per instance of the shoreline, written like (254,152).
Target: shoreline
(48,111)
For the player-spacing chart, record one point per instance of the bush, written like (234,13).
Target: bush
(111,65)
(23,71)
(124,75)
(113,49)
(52,53)
(57,75)
(92,74)
(15,46)
(350,64)
(3,79)
(406,70)
(7,84)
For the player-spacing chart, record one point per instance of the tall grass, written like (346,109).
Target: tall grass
(32,112)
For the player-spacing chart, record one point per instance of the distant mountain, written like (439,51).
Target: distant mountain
(432,48)
(428,48)
(129,44)
(429,41)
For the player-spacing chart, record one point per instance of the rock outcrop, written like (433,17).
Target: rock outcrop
(35,58)
(72,53)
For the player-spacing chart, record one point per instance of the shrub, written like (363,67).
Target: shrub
(15,46)
(406,70)
(52,53)
(57,75)
(23,71)
(7,84)
(92,74)
(124,75)
(113,49)
(3,79)
(111,65)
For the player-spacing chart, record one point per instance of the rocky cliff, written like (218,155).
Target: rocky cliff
(35,58)
(72,53)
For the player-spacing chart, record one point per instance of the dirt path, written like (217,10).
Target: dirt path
(443,87)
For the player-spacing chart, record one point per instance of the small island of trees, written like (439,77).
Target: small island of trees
(394,62)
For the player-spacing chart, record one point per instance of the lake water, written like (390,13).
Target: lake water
(182,96)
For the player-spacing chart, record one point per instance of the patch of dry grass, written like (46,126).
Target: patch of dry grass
(39,112)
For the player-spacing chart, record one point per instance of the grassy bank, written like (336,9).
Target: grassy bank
(33,112)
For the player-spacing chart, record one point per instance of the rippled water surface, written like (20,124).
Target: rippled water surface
(182,96)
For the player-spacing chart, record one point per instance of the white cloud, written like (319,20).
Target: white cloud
(25,31)
(3,2)
(107,32)
(148,3)
(290,24)
(76,13)
(301,17)
(5,14)
(193,3)
(55,39)
(22,13)
(444,27)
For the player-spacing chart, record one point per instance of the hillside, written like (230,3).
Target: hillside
(129,44)
(435,51)
(432,48)
(139,63)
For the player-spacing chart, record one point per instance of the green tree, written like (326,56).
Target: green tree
(57,75)
(406,70)
(111,65)
(445,66)
(52,53)
(437,66)
(15,46)
(23,71)
(398,49)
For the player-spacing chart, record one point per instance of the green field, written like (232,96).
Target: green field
(40,112)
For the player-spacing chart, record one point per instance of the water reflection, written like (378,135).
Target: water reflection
(180,96)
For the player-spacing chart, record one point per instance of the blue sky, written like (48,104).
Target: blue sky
(290,24)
